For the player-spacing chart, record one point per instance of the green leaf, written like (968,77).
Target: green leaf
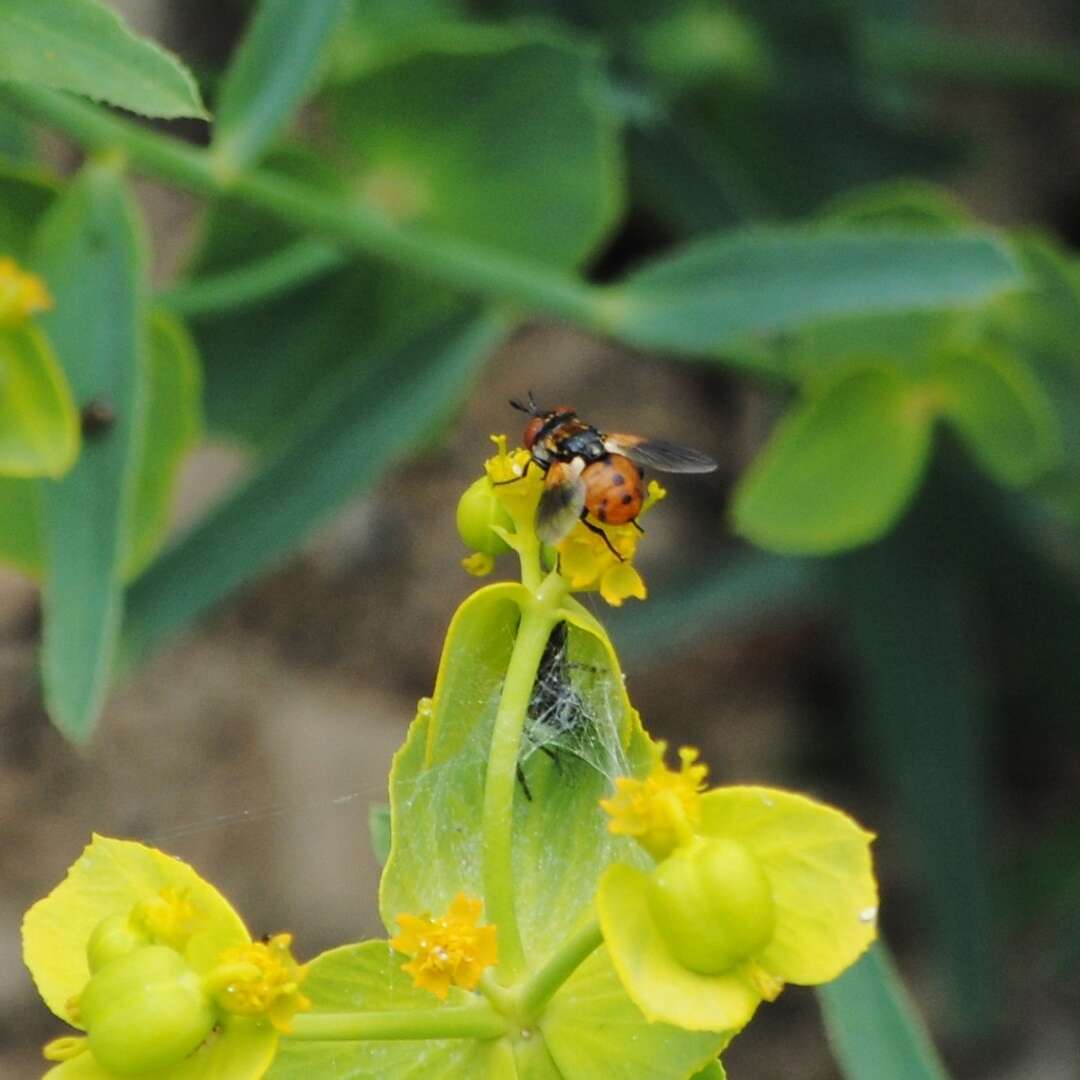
(873,1026)
(593,1029)
(25,194)
(265,361)
(20,525)
(368,977)
(170,429)
(1001,412)
(84,46)
(561,839)
(270,74)
(89,252)
(840,467)
(726,288)
(379,831)
(909,622)
(342,445)
(172,424)
(39,427)
(497,135)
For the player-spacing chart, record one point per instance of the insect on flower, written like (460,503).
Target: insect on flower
(591,474)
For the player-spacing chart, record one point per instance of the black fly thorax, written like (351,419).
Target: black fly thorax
(573,438)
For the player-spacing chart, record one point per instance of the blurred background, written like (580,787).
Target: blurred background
(928,682)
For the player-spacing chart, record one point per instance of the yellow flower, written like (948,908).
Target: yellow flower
(753,888)
(449,950)
(132,947)
(585,558)
(262,979)
(661,810)
(21,294)
(478,564)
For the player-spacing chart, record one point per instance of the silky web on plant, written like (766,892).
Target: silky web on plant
(558,901)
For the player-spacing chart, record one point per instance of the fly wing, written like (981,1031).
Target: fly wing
(561,503)
(659,454)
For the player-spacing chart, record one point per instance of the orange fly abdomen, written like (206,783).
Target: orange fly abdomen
(614,490)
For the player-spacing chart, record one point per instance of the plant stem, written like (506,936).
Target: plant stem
(538,617)
(256,281)
(541,988)
(453,260)
(474,1021)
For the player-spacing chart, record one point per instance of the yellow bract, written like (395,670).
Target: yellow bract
(661,810)
(449,950)
(118,883)
(21,294)
(754,887)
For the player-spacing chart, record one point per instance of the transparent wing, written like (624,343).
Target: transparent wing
(659,454)
(561,503)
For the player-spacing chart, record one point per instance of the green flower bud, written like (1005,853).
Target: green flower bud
(712,904)
(145,1011)
(478,509)
(113,937)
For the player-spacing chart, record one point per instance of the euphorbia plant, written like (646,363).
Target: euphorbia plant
(559,902)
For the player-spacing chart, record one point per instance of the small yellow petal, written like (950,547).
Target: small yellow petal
(620,582)
(661,810)
(450,950)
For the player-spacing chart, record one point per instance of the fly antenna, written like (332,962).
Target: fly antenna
(530,409)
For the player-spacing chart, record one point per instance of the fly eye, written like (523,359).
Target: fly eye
(532,430)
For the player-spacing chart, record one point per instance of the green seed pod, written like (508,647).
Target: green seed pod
(713,905)
(145,1011)
(478,509)
(113,937)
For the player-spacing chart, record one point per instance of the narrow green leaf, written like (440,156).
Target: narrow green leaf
(170,420)
(840,468)
(370,417)
(1001,412)
(20,525)
(89,252)
(727,288)
(535,169)
(172,424)
(84,46)
(269,75)
(875,1031)
(39,427)
(923,704)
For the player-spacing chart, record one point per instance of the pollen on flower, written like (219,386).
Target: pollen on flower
(659,811)
(261,979)
(21,294)
(448,950)
(170,917)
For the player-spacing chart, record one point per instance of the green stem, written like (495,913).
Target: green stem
(538,617)
(453,260)
(475,1021)
(254,282)
(971,59)
(573,952)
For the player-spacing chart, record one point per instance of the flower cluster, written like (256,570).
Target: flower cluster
(753,887)
(151,962)
(448,951)
(498,511)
